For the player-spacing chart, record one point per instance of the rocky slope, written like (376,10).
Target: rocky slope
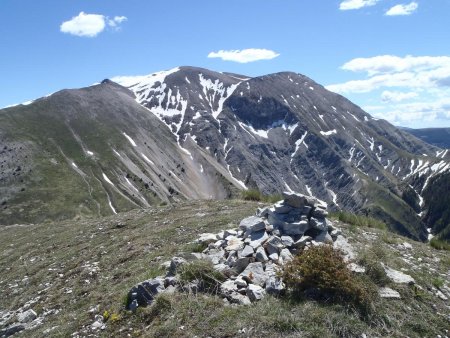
(193,133)
(58,279)
(95,151)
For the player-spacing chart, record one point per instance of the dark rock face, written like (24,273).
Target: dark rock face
(286,132)
(194,133)
(439,137)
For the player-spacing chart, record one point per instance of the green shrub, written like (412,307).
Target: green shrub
(371,258)
(360,221)
(256,195)
(252,195)
(204,272)
(322,269)
(376,272)
(437,282)
(439,244)
(162,305)
(195,247)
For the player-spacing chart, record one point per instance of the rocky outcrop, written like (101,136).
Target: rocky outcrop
(252,254)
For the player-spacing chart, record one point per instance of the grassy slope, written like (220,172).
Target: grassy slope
(58,260)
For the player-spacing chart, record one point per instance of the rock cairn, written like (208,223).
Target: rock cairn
(252,254)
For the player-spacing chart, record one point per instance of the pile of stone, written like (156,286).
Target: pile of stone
(252,254)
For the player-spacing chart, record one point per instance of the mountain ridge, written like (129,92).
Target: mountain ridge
(274,132)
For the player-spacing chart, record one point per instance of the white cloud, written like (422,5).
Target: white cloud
(84,24)
(403,9)
(90,25)
(244,55)
(413,113)
(391,63)
(117,20)
(388,96)
(393,71)
(413,88)
(356,4)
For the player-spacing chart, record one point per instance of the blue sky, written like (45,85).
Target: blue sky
(395,66)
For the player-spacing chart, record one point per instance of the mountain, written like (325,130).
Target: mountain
(191,133)
(95,151)
(439,137)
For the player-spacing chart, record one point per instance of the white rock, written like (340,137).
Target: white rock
(356,268)
(286,255)
(287,241)
(218,244)
(254,274)
(240,283)
(255,292)
(234,244)
(398,276)
(246,252)
(252,223)
(230,232)
(388,293)
(98,325)
(237,298)
(441,295)
(302,241)
(207,238)
(228,287)
(258,238)
(406,245)
(274,257)
(27,316)
(342,244)
(261,255)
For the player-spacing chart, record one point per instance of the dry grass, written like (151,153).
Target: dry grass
(74,266)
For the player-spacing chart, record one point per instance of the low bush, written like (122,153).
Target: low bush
(439,244)
(202,271)
(256,195)
(438,282)
(321,272)
(252,195)
(360,221)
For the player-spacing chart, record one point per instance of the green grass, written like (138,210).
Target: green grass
(359,220)
(59,257)
(439,244)
(256,195)
(202,271)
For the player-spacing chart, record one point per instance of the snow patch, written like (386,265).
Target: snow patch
(116,152)
(131,185)
(298,143)
(216,91)
(111,206)
(130,139)
(242,184)
(147,159)
(107,179)
(354,116)
(328,133)
(308,189)
(143,85)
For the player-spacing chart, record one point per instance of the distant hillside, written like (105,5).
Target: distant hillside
(439,137)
